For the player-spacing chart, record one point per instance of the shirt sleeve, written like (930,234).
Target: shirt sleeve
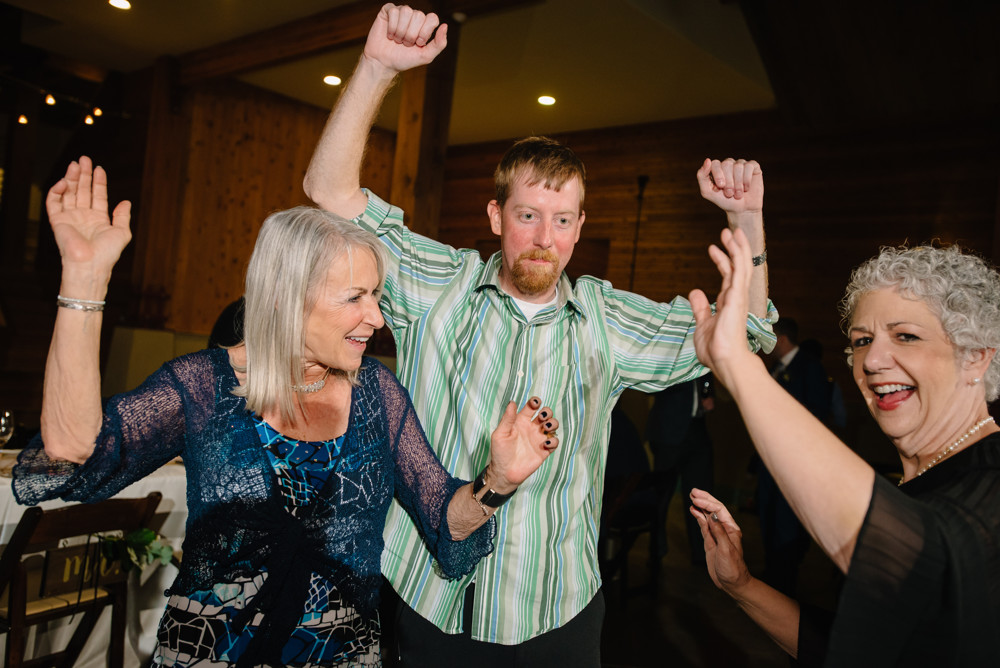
(419,269)
(653,342)
(425,488)
(141,430)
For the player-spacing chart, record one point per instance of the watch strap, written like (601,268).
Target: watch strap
(489,498)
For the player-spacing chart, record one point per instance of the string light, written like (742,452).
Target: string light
(331,80)
(547,100)
(120,4)
(60,99)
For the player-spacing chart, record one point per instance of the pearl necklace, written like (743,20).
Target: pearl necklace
(947,451)
(312,387)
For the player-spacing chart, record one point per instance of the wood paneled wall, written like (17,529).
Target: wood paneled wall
(242,154)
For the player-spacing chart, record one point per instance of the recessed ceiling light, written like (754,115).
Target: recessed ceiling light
(547,100)
(49,100)
(120,4)
(331,80)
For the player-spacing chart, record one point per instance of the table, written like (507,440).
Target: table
(146,599)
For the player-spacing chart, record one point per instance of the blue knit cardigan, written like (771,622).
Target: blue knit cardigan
(237,524)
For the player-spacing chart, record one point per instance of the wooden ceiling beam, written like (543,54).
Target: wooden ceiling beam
(337,28)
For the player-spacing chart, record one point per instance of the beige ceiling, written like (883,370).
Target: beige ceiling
(607,62)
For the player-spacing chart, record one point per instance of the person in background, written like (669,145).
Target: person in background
(785,539)
(682,453)
(921,557)
(836,416)
(228,328)
(472,335)
(294,443)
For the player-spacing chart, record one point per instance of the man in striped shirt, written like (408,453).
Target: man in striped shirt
(472,335)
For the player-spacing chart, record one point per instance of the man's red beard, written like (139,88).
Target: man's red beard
(532,279)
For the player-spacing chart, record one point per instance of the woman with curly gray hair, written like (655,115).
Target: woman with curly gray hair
(921,556)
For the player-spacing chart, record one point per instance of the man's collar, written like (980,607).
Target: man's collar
(787,358)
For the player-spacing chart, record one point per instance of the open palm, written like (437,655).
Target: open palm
(77,207)
(520,443)
(720,338)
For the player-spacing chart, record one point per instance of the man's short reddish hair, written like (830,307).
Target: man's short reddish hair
(543,160)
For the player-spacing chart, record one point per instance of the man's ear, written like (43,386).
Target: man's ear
(495,212)
(579,227)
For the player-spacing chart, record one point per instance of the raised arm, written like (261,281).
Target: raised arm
(737,187)
(828,486)
(89,243)
(400,39)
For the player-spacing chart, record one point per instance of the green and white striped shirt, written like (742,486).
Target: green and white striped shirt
(465,350)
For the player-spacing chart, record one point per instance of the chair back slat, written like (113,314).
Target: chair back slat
(90,518)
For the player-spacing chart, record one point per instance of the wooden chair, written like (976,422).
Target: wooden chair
(73,580)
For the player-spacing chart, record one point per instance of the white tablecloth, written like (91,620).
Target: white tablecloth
(146,600)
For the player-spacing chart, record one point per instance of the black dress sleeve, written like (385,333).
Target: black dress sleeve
(921,588)
(814,634)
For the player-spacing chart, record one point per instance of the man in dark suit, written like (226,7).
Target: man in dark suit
(785,539)
(682,451)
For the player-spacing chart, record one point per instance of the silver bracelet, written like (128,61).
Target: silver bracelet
(95,302)
(486,513)
(79,304)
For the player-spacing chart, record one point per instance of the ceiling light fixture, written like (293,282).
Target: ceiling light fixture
(88,119)
(331,80)
(49,100)
(547,100)
(22,119)
(98,111)
(120,4)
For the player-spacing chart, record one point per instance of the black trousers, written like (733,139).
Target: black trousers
(577,643)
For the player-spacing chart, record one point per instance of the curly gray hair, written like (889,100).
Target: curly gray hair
(961,288)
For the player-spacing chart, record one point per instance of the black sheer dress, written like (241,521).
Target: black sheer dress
(923,587)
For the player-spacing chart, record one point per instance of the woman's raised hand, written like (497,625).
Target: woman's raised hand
(78,211)
(520,443)
(720,339)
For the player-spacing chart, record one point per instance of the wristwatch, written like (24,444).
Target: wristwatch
(490,498)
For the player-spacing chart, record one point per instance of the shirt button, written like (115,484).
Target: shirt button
(520,374)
